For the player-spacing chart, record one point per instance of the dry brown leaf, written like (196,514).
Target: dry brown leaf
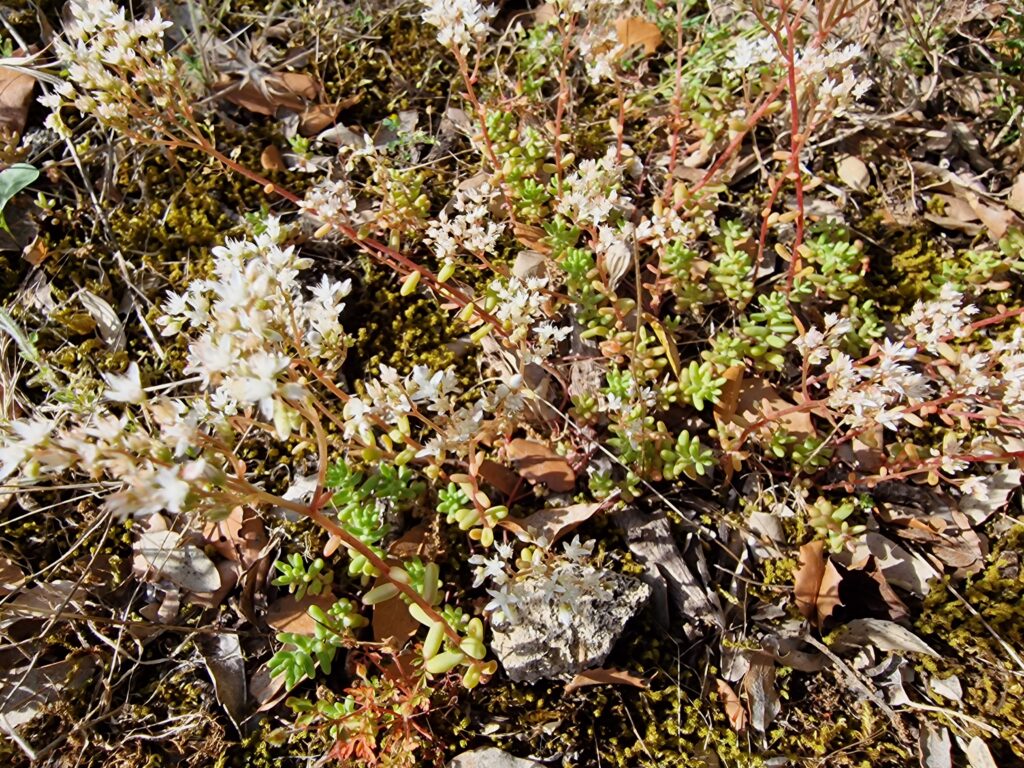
(828,593)
(529,264)
(979,755)
(935,749)
(545,13)
(725,410)
(36,252)
(225,664)
(553,524)
(317,118)
(957,214)
(1016,199)
(732,705)
(633,30)
(807,578)
(762,698)
(286,614)
(500,476)
(265,690)
(854,173)
(411,544)
(996,219)
(11,577)
(759,400)
(540,464)
(668,343)
(866,581)
(294,84)
(884,635)
(24,693)
(605,677)
(15,99)
(230,571)
(392,623)
(816,582)
(167,555)
(282,90)
(532,237)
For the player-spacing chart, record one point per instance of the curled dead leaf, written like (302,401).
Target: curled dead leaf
(816,583)
(732,705)
(605,677)
(553,524)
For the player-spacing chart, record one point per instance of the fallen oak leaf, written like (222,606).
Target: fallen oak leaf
(634,30)
(16,89)
(286,614)
(605,677)
(553,524)
(540,464)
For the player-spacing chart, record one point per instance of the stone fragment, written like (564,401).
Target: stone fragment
(542,644)
(490,757)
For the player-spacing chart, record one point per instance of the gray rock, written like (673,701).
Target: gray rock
(490,758)
(541,646)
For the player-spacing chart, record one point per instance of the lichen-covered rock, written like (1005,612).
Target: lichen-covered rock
(490,757)
(545,643)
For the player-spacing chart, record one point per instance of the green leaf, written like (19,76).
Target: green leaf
(12,181)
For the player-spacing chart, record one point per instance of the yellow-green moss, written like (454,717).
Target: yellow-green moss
(974,643)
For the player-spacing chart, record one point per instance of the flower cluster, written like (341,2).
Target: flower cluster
(472,228)
(591,192)
(941,319)
(561,580)
(459,22)
(875,394)
(329,201)
(432,398)
(112,62)
(253,320)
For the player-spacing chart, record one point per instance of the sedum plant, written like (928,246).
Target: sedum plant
(302,580)
(302,655)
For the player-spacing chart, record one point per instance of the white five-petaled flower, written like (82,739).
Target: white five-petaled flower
(458,22)
(125,388)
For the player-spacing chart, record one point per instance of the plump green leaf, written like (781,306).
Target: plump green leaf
(12,180)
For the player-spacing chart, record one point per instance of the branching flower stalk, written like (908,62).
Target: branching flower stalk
(104,67)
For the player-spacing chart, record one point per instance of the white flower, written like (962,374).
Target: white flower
(503,605)
(747,53)
(591,193)
(938,319)
(458,22)
(574,550)
(28,434)
(170,490)
(126,388)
